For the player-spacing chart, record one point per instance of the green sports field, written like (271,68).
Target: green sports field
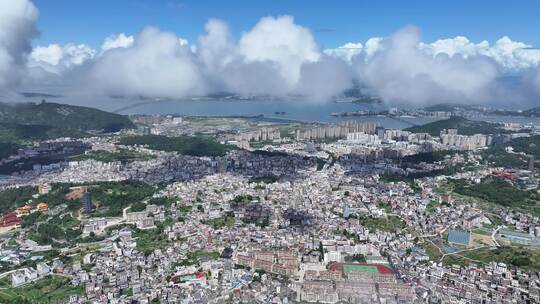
(360,268)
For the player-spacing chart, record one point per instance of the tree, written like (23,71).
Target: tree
(360,258)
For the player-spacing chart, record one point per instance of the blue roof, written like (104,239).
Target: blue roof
(459,237)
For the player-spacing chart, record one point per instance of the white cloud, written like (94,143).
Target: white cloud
(117,41)
(17,28)
(324,79)
(511,55)
(373,45)
(55,58)
(281,41)
(351,50)
(536,81)
(400,72)
(453,46)
(346,51)
(275,57)
(155,66)
(216,49)
(228,69)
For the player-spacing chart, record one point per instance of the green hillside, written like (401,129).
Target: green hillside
(62,116)
(8,148)
(22,123)
(12,132)
(188,145)
(464,126)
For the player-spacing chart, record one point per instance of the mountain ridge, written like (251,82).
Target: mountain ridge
(63,116)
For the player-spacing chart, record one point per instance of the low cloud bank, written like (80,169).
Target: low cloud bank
(277,57)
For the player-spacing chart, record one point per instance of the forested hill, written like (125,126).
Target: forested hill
(464,126)
(62,116)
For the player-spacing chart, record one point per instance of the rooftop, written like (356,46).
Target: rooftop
(368,268)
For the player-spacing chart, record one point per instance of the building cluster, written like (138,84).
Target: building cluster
(145,219)
(30,274)
(493,283)
(298,222)
(49,149)
(354,283)
(13,219)
(363,138)
(337,131)
(278,262)
(452,139)
(260,134)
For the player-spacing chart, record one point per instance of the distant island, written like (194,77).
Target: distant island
(21,123)
(465,127)
(480,109)
(62,116)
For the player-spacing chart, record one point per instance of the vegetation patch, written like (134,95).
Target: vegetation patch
(123,155)
(267,179)
(195,257)
(113,197)
(187,145)
(150,239)
(8,148)
(221,222)
(463,125)
(429,157)
(500,192)
(52,289)
(63,116)
(498,157)
(390,223)
(526,258)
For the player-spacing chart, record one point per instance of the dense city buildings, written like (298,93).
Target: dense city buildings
(303,213)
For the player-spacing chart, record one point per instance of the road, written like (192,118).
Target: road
(493,234)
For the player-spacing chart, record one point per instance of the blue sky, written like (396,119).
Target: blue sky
(333,22)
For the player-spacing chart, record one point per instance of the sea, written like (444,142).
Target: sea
(292,110)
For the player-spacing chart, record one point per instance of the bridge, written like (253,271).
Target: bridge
(135,105)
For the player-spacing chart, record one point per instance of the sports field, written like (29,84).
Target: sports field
(360,268)
(367,268)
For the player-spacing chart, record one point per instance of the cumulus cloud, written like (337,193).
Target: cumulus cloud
(511,55)
(216,49)
(17,28)
(324,79)
(117,41)
(281,41)
(56,58)
(346,51)
(157,65)
(350,50)
(400,72)
(276,57)
(227,69)
(534,81)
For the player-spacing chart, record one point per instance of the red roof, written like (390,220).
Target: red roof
(200,275)
(381,269)
(9,219)
(10,215)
